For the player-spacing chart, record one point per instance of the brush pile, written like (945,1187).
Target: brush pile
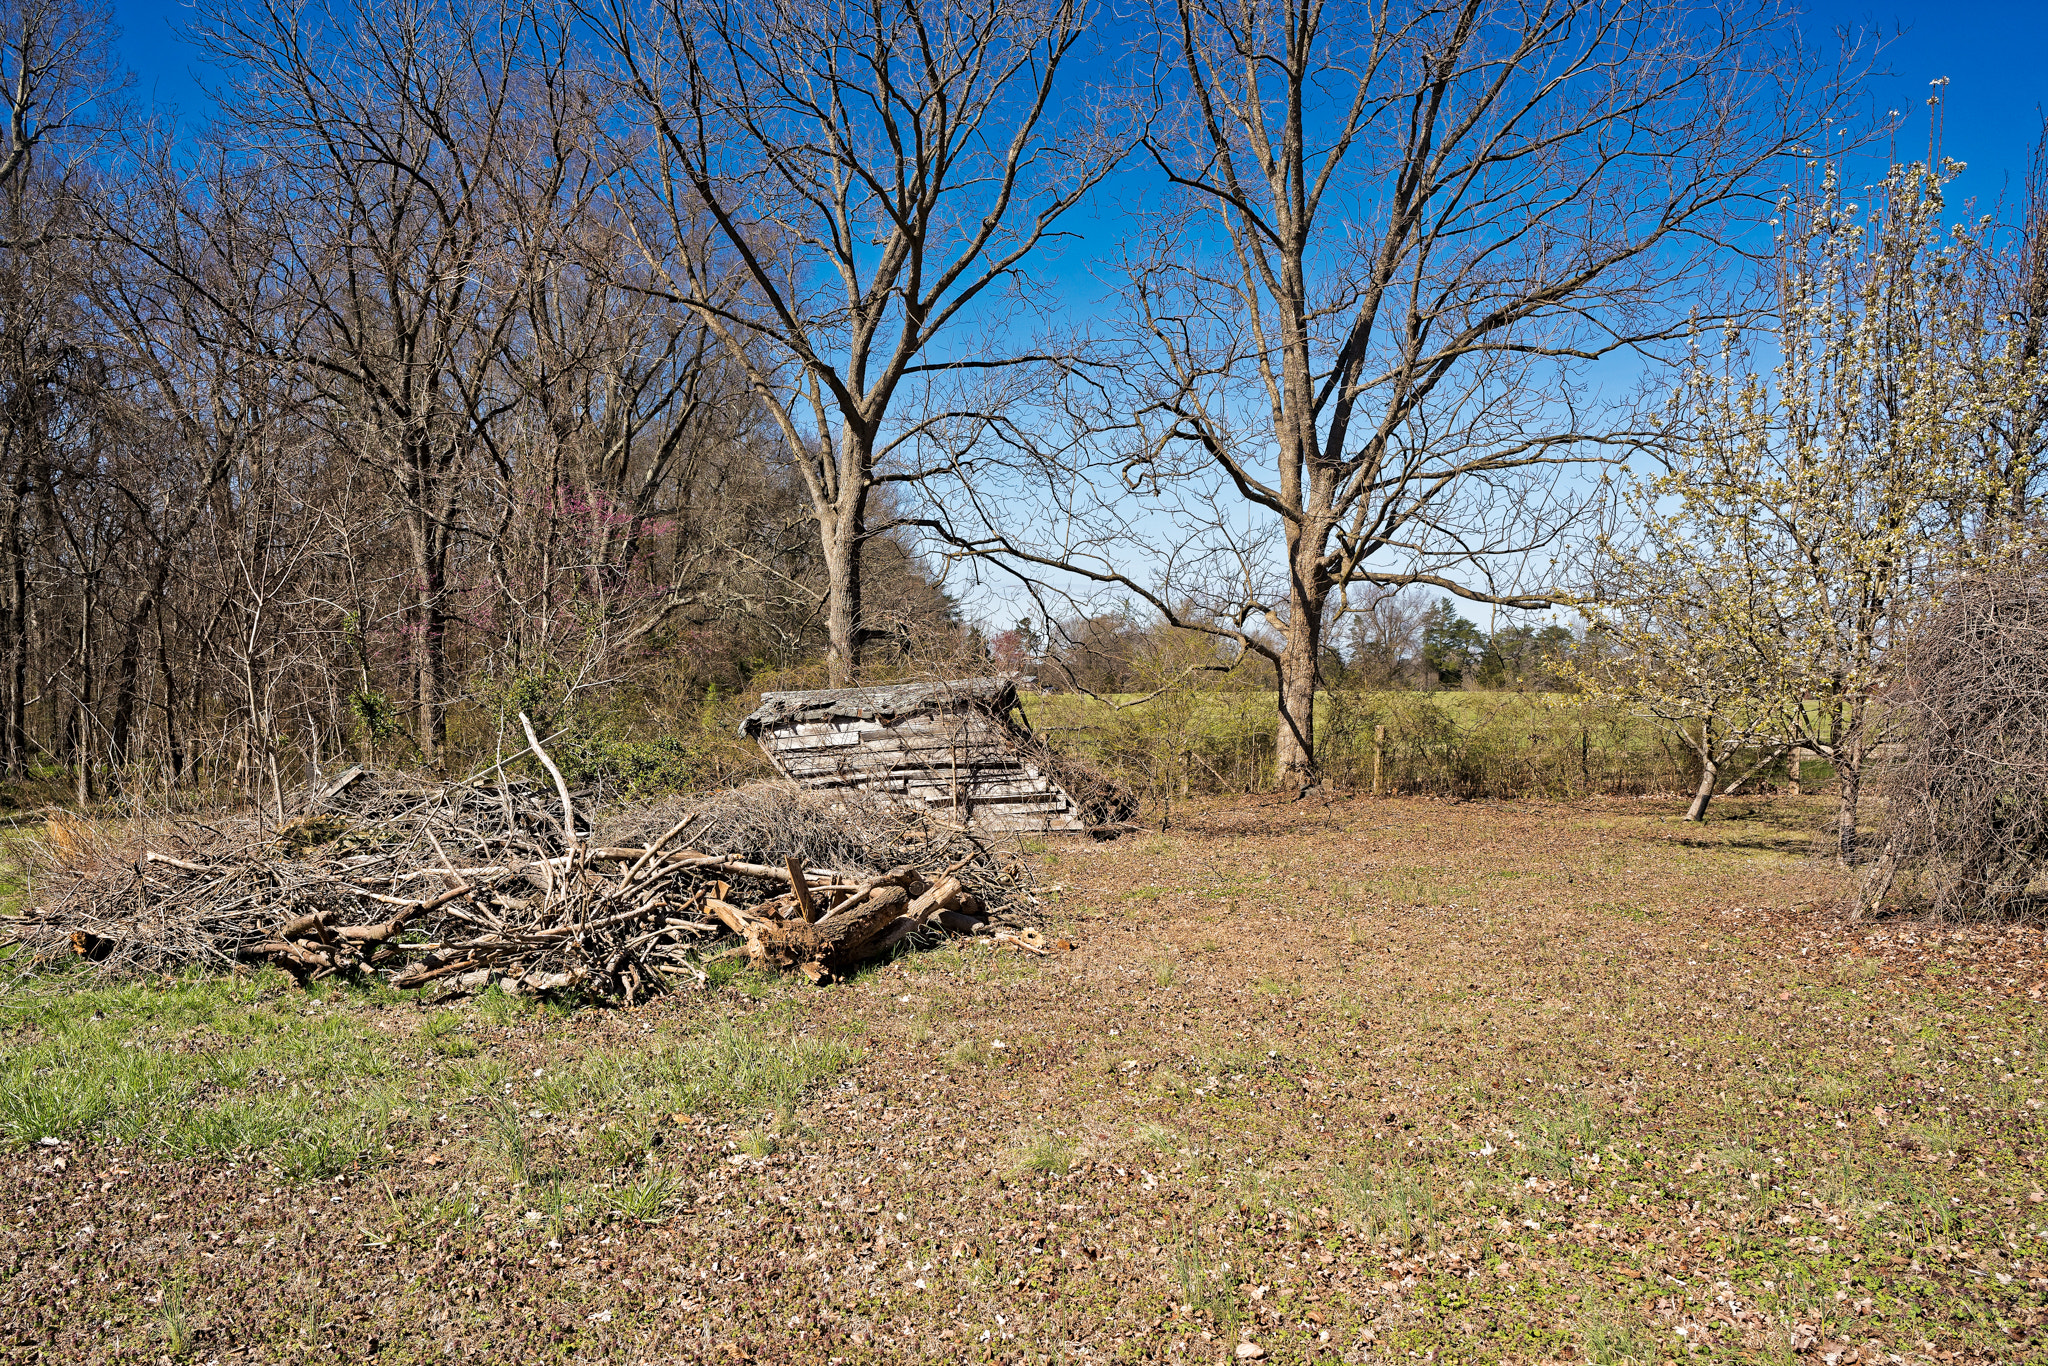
(501,881)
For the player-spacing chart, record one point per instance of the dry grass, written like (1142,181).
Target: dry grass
(1506,1083)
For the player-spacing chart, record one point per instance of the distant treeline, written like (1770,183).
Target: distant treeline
(1405,640)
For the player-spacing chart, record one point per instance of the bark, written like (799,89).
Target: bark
(1849,772)
(17,643)
(88,696)
(837,942)
(1294,748)
(845,640)
(1308,597)
(1704,793)
(1710,773)
(1876,884)
(1847,756)
(174,742)
(430,622)
(128,676)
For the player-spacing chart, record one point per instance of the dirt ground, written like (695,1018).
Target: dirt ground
(1384,1081)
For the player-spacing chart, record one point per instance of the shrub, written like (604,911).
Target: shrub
(1967,816)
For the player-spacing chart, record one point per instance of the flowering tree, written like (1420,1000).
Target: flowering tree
(1814,507)
(1686,628)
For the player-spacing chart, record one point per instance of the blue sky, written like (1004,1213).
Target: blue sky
(1998,86)
(1990,51)
(151,46)
(1990,54)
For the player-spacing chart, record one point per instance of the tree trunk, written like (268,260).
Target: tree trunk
(430,660)
(1710,773)
(173,744)
(1704,793)
(1847,754)
(88,694)
(128,677)
(127,686)
(1876,884)
(1294,749)
(843,547)
(17,629)
(1294,745)
(1849,772)
(434,674)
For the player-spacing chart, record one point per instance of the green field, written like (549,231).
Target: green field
(1447,744)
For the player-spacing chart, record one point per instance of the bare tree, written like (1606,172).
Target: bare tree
(53,72)
(1385,636)
(612,493)
(395,151)
(370,387)
(209,411)
(836,190)
(1395,241)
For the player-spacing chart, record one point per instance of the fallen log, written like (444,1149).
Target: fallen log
(833,944)
(959,922)
(938,898)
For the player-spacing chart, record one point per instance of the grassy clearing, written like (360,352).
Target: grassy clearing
(1565,1107)
(1506,1083)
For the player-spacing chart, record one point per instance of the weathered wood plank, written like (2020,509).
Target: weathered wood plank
(974,744)
(956,761)
(894,764)
(861,762)
(872,730)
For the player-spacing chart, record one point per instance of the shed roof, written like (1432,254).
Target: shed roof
(879,703)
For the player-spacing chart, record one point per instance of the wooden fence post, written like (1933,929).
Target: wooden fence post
(1379,739)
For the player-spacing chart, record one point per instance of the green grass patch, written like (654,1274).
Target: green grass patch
(228,1068)
(1042,1155)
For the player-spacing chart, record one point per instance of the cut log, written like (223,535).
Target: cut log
(938,898)
(729,915)
(903,879)
(416,978)
(837,942)
(894,933)
(959,922)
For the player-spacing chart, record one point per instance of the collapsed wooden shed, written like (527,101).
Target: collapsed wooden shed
(956,746)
